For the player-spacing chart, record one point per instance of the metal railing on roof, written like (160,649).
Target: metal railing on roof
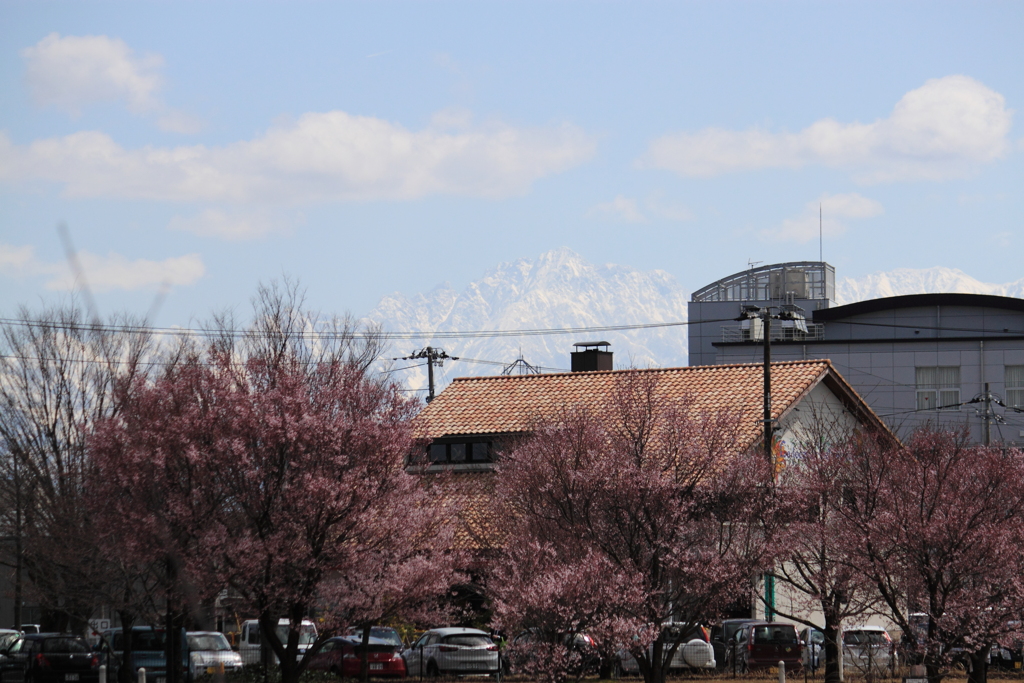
(801,279)
(780,332)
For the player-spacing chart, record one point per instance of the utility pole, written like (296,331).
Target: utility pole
(431,355)
(766,317)
(986,419)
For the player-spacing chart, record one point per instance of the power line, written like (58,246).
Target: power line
(436,334)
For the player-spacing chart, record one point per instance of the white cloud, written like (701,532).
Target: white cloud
(621,208)
(835,210)
(322,157)
(16,261)
(943,129)
(103,273)
(70,72)
(232,226)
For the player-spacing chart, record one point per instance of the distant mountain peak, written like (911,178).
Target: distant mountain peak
(557,289)
(903,281)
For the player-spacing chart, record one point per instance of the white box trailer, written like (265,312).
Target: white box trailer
(250,642)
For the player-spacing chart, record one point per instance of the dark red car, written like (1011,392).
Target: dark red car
(763,644)
(342,656)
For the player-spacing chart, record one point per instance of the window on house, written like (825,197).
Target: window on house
(1014,381)
(481,452)
(458,453)
(938,388)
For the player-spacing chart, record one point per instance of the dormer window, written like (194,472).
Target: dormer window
(459,452)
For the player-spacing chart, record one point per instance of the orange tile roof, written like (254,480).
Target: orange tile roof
(510,404)
(467,496)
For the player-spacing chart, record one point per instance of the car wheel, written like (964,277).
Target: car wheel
(432,670)
(334,670)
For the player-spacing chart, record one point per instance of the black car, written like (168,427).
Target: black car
(721,634)
(49,658)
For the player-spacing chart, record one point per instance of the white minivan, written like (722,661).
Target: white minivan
(250,643)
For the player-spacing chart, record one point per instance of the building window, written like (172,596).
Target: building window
(938,388)
(459,452)
(1014,380)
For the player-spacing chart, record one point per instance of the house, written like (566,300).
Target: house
(466,426)
(951,360)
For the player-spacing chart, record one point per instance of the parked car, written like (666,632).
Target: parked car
(342,656)
(1010,653)
(454,650)
(814,648)
(30,628)
(581,646)
(721,634)
(382,632)
(694,651)
(49,658)
(7,637)
(250,644)
(209,652)
(149,652)
(868,650)
(763,644)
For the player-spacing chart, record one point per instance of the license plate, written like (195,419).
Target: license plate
(70,677)
(376,667)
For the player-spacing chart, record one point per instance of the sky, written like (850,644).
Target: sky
(196,149)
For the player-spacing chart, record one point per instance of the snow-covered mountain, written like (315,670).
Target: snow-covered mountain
(558,289)
(919,281)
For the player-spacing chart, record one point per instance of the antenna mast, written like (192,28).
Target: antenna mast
(820,247)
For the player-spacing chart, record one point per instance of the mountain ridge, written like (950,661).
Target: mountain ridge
(559,289)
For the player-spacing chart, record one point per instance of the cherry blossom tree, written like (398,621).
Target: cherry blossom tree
(272,461)
(153,502)
(650,493)
(936,525)
(813,559)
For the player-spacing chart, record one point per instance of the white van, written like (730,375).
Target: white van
(250,643)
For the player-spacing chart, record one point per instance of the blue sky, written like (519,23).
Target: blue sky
(371,147)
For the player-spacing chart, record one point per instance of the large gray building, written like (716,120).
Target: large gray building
(916,360)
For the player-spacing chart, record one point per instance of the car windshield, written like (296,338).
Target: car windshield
(865,637)
(71,645)
(307,634)
(384,633)
(469,640)
(774,635)
(209,642)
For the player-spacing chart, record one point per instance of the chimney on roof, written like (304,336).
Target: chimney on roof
(591,356)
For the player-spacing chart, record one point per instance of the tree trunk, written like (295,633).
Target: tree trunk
(656,665)
(979,666)
(364,655)
(833,652)
(125,674)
